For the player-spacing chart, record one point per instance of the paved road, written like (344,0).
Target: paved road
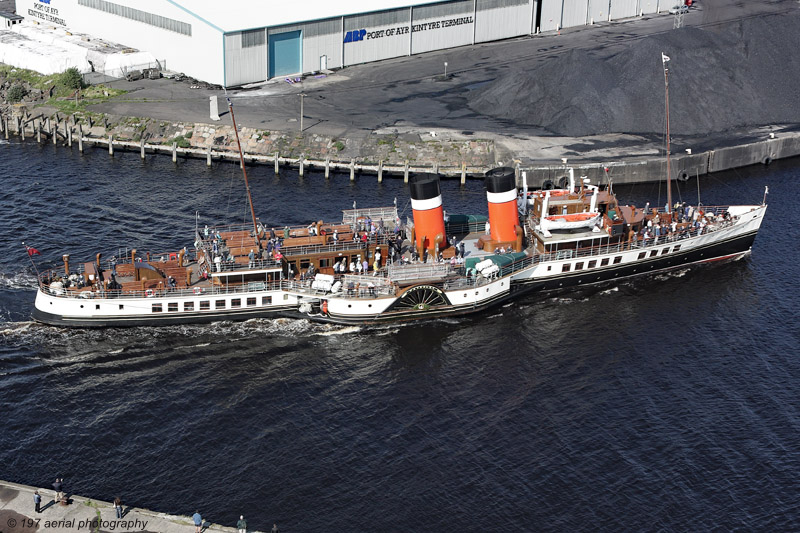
(409,93)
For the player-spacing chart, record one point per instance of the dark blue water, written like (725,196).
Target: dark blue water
(666,404)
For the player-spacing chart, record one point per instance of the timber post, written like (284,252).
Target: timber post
(463,172)
(174,152)
(208,157)
(405,172)
(327,167)
(352,170)
(380,171)
(111,145)
(277,164)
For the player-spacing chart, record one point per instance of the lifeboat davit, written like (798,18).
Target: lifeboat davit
(570,221)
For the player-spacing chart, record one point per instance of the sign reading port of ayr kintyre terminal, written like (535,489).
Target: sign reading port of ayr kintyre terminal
(361,35)
(42,10)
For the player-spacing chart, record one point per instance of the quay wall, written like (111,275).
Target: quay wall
(381,156)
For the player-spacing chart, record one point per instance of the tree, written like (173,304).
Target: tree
(71,79)
(16,93)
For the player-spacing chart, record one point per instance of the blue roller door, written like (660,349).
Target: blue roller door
(285,53)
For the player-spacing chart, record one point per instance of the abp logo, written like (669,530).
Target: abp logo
(355,35)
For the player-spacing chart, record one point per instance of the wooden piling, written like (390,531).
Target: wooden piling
(174,152)
(352,170)
(463,172)
(141,149)
(277,164)
(405,172)
(80,138)
(380,171)
(54,133)
(21,128)
(208,157)
(69,137)
(111,145)
(302,164)
(5,127)
(327,167)
(38,128)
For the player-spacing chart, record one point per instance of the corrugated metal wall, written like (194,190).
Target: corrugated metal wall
(575,13)
(551,15)
(598,10)
(622,9)
(380,36)
(245,64)
(338,42)
(321,38)
(648,6)
(499,19)
(442,26)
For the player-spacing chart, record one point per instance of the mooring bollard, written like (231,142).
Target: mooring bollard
(111,145)
(327,167)
(463,172)
(208,157)
(277,164)
(174,152)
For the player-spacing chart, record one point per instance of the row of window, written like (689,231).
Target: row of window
(205,305)
(566,267)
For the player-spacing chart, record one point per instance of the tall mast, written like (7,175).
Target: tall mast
(664,59)
(244,171)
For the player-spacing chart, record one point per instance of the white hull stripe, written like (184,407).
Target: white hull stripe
(501,197)
(426,205)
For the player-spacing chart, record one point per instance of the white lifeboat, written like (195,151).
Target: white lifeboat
(570,221)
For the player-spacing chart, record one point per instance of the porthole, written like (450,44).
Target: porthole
(81,306)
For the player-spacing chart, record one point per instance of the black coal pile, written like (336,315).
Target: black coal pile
(741,74)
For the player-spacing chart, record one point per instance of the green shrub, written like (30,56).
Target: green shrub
(16,93)
(71,79)
(181,141)
(339,145)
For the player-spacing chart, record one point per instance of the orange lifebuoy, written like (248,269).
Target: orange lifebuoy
(149,293)
(325,306)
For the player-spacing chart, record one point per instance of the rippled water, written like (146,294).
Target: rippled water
(667,404)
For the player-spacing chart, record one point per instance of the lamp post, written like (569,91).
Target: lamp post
(302,96)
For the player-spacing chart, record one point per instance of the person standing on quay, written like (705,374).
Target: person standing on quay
(241,525)
(37,499)
(118,506)
(198,521)
(58,486)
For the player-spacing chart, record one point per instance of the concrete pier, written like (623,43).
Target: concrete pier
(18,515)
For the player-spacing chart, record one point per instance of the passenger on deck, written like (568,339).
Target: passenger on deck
(335,236)
(252,258)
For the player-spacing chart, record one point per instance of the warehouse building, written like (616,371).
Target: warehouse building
(234,43)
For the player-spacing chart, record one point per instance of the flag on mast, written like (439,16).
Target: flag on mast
(31,250)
